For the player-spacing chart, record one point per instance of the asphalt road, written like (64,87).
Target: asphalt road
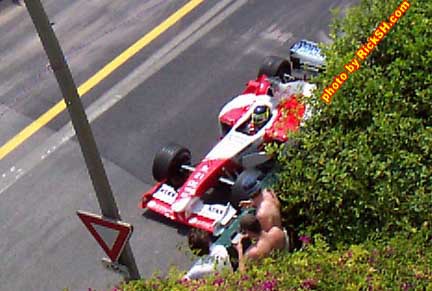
(171,90)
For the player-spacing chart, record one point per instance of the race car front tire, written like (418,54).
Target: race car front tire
(167,164)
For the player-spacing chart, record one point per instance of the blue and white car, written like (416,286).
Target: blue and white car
(306,54)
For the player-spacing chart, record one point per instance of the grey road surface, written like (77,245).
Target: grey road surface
(170,91)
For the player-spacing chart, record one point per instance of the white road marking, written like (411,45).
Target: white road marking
(166,54)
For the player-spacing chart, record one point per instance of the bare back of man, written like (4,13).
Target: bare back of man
(268,210)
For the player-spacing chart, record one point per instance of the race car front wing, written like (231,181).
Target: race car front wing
(209,217)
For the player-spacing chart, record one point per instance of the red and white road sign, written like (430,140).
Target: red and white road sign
(111,235)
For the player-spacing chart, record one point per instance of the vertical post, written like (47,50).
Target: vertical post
(80,123)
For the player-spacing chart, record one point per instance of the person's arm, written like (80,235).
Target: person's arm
(253,253)
(246,203)
(241,257)
(201,268)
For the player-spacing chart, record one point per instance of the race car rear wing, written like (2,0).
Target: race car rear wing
(306,55)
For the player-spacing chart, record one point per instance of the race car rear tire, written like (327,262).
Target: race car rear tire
(167,164)
(274,66)
(237,192)
(295,63)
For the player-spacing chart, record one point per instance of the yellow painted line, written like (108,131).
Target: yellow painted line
(42,120)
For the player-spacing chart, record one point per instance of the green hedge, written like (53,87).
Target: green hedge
(403,262)
(364,162)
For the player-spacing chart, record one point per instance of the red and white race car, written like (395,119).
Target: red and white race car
(182,189)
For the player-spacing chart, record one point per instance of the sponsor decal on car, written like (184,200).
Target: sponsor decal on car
(193,182)
(166,194)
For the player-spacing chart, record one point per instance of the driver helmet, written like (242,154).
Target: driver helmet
(260,115)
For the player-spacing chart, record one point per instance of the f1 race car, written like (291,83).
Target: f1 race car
(182,189)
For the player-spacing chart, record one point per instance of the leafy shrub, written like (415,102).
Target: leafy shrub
(403,262)
(364,162)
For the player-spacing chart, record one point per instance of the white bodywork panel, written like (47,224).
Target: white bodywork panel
(234,141)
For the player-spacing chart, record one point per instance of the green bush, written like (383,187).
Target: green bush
(403,262)
(364,162)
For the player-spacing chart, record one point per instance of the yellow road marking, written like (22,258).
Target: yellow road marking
(42,120)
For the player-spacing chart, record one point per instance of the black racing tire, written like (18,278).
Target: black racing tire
(237,192)
(167,164)
(295,63)
(274,66)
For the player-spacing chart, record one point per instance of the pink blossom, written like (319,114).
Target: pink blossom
(309,283)
(305,239)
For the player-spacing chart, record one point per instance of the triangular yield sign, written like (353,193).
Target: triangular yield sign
(111,235)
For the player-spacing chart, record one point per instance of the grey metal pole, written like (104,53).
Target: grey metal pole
(80,123)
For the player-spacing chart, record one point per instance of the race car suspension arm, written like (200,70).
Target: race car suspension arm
(226,181)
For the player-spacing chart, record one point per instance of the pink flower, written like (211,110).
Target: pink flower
(406,286)
(218,281)
(184,281)
(305,240)
(309,283)
(269,285)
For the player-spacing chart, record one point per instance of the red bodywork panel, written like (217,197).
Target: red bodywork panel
(231,117)
(259,86)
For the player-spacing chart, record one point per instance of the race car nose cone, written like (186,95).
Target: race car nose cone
(182,204)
